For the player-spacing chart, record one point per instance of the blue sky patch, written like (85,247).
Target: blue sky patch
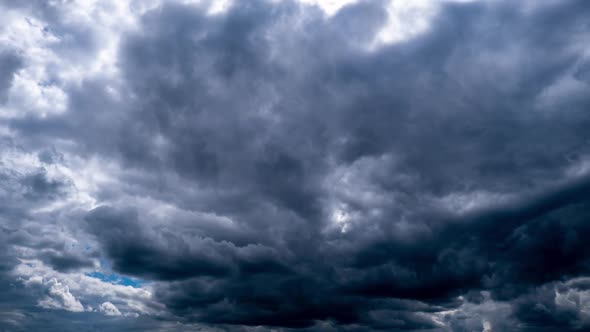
(117,279)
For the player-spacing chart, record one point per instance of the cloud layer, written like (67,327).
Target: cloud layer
(279,165)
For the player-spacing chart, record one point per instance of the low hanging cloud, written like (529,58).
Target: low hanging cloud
(294,165)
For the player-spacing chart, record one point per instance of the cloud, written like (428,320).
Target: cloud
(268,165)
(9,64)
(109,309)
(59,297)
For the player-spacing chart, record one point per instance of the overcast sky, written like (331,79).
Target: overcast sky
(291,165)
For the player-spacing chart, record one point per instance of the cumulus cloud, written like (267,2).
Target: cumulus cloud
(109,309)
(59,297)
(267,165)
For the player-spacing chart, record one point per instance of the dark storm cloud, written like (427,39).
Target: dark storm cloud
(161,254)
(320,184)
(435,103)
(509,249)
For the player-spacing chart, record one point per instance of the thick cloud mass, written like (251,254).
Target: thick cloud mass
(270,166)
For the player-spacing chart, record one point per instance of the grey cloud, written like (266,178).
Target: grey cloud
(64,261)
(274,171)
(171,255)
(10,62)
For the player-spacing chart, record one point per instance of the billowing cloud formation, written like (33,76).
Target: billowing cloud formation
(267,165)
(109,309)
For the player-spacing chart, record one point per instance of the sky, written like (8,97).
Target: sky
(294,165)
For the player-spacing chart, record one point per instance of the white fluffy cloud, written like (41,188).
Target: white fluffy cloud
(109,309)
(59,297)
(79,292)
